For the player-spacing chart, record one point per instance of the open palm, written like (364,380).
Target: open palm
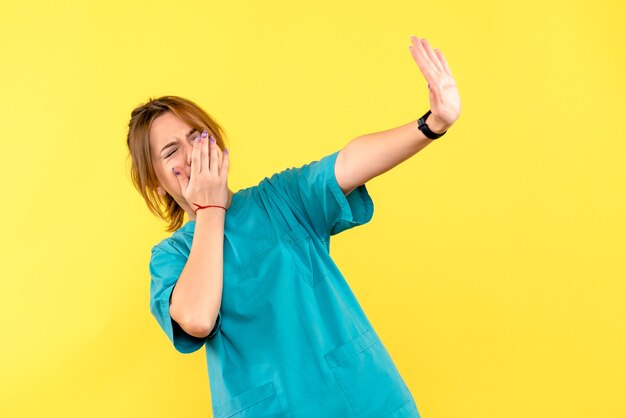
(445,102)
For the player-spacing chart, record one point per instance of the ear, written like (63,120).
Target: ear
(161,191)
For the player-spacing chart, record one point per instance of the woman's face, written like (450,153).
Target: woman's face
(170,147)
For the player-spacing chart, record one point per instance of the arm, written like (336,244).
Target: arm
(368,156)
(197,296)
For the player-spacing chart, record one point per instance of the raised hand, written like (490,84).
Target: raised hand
(445,102)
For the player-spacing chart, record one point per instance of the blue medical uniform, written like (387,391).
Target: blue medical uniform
(291,339)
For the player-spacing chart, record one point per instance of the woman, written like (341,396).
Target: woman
(249,275)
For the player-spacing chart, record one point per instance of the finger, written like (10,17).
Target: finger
(219,158)
(422,60)
(205,151)
(195,157)
(183,180)
(225,162)
(421,52)
(443,61)
(436,98)
(213,166)
(431,55)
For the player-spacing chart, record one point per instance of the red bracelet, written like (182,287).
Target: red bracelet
(208,206)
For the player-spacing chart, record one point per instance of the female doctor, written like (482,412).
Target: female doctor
(249,275)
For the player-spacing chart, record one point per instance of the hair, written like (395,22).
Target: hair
(138,141)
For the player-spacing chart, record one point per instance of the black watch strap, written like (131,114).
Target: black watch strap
(421,124)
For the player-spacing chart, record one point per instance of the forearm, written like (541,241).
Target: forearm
(370,155)
(197,296)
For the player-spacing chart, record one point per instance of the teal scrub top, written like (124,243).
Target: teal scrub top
(290,339)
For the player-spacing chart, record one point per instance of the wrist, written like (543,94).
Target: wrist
(435,125)
(206,213)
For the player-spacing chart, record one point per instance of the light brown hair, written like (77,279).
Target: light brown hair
(138,141)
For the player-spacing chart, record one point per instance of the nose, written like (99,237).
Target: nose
(188,150)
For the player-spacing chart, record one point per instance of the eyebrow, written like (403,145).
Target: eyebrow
(174,142)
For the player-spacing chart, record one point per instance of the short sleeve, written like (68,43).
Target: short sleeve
(165,269)
(313,194)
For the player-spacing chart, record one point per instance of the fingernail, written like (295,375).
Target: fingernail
(212,139)
(204,134)
(198,138)
(175,171)
(225,150)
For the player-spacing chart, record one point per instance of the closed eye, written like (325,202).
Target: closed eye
(189,136)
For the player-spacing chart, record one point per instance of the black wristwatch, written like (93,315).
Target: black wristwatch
(421,125)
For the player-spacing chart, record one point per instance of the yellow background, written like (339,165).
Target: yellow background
(493,268)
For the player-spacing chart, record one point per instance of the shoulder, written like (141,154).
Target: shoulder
(173,245)
(318,170)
